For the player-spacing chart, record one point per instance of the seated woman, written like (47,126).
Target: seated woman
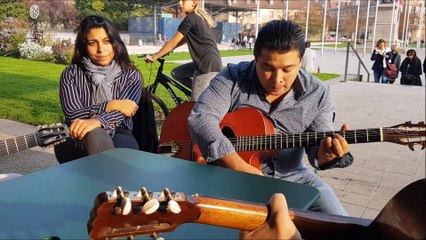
(99,92)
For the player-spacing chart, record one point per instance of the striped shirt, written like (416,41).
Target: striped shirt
(306,107)
(77,92)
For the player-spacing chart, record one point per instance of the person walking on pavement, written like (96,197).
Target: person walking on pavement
(411,69)
(379,58)
(424,68)
(309,58)
(392,57)
(195,30)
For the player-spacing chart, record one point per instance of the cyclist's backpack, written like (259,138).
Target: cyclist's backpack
(144,128)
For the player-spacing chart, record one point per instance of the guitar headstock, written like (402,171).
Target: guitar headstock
(119,213)
(51,134)
(407,133)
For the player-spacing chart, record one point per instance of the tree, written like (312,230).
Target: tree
(56,13)
(315,19)
(15,9)
(348,26)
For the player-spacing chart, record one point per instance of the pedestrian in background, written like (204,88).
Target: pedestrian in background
(411,69)
(195,30)
(393,57)
(424,68)
(378,56)
(309,58)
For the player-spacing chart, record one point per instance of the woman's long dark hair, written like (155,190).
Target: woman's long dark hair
(96,21)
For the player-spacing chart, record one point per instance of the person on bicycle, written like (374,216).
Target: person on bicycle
(195,30)
(99,92)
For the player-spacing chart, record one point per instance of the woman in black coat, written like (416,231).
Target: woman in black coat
(411,69)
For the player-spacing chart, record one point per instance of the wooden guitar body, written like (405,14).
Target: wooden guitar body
(242,122)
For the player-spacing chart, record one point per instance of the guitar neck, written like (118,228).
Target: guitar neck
(307,139)
(13,145)
(249,216)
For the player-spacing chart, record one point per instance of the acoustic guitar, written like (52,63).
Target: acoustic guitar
(44,136)
(253,135)
(120,214)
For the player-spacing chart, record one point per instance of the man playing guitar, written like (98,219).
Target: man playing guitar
(293,99)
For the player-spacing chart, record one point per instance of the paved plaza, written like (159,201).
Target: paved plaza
(379,171)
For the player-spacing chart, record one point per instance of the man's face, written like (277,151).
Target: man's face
(277,71)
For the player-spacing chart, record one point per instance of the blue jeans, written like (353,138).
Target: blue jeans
(385,79)
(378,73)
(327,201)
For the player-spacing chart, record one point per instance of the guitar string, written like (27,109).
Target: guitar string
(21,140)
(262,139)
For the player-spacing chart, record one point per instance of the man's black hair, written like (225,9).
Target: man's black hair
(281,36)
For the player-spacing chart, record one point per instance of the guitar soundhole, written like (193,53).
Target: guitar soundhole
(228,132)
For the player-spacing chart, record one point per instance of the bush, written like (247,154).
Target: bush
(29,50)
(63,51)
(10,38)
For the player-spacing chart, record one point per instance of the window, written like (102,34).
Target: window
(271,2)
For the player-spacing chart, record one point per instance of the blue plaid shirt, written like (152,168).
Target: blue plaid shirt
(307,107)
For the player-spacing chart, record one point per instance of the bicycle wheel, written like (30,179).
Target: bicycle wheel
(160,111)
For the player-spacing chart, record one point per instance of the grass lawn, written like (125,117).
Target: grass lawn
(29,90)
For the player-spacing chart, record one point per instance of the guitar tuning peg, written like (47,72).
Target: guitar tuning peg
(151,206)
(173,206)
(155,237)
(143,194)
(126,205)
(118,191)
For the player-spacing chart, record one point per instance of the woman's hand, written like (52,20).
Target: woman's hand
(149,59)
(278,226)
(332,147)
(80,127)
(125,106)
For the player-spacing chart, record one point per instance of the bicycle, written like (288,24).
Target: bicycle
(161,109)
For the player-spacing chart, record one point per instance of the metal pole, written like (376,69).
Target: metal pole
(375,25)
(286,10)
(307,21)
(356,24)
(407,29)
(398,20)
(257,17)
(366,26)
(202,4)
(419,31)
(337,28)
(392,22)
(347,61)
(155,25)
(323,27)
(403,25)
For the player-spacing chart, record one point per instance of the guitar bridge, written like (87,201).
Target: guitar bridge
(169,149)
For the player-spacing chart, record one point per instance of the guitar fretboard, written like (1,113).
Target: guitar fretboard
(17,144)
(307,139)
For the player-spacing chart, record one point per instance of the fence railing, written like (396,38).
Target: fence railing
(360,63)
